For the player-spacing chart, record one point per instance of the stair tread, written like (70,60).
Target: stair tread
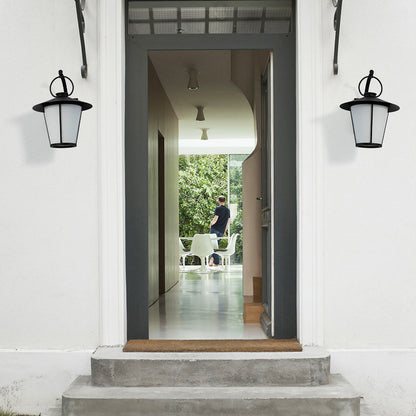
(338,388)
(110,366)
(364,411)
(116,353)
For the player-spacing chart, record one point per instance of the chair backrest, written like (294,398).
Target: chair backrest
(201,245)
(231,244)
(182,248)
(214,240)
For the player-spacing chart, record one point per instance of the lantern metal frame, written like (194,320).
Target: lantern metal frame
(59,99)
(372,99)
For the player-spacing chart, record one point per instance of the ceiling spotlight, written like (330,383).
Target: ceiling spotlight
(200,115)
(204,135)
(193,80)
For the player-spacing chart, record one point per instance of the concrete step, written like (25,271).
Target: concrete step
(337,398)
(365,410)
(112,367)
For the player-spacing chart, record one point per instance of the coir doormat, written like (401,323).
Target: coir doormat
(212,345)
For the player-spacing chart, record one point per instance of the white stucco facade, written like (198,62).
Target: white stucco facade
(62,225)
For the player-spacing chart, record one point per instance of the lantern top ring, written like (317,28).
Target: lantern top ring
(366,93)
(65,93)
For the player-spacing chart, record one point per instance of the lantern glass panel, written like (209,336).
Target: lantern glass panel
(62,123)
(52,121)
(369,122)
(71,117)
(380,115)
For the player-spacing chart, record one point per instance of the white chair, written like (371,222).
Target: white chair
(202,247)
(183,252)
(226,253)
(214,242)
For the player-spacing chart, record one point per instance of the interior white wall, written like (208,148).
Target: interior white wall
(252,250)
(162,119)
(48,239)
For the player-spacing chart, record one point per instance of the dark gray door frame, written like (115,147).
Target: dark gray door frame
(136,173)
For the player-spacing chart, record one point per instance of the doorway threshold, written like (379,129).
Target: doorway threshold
(213,345)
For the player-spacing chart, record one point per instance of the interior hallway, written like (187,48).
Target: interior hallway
(203,306)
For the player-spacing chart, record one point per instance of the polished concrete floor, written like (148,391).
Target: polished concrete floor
(203,306)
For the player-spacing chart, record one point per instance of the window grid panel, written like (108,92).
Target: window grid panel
(165,13)
(198,20)
(139,28)
(193,12)
(221,12)
(249,26)
(250,12)
(193,27)
(221,27)
(165,28)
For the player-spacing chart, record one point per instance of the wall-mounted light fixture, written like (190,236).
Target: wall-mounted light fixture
(204,135)
(193,84)
(337,28)
(80,6)
(200,115)
(62,115)
(369,115)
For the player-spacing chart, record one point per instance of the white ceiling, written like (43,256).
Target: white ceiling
(228,115)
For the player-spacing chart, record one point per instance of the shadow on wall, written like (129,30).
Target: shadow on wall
(339,137)
(35,138)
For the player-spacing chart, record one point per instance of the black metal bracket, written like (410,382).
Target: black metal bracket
(80,5)
(337,26)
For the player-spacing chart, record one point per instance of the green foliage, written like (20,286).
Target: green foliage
(4,412)
(236,197)
(236,180)
(237,227)
(202,178)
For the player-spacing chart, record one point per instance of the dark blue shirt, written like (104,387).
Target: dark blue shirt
(223,214)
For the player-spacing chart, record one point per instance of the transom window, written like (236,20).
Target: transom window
(209,17)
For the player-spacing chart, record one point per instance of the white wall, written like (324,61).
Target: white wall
(49,287)
(386,378)
(48,239)
(32,382)
(361,242)
(363,202)
(370,198)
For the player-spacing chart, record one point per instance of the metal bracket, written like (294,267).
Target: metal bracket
(337,26)
(80,6)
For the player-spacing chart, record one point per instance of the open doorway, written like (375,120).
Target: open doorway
(141,245)
(213,124)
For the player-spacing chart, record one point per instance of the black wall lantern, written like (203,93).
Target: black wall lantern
(369,115)
(62,115)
